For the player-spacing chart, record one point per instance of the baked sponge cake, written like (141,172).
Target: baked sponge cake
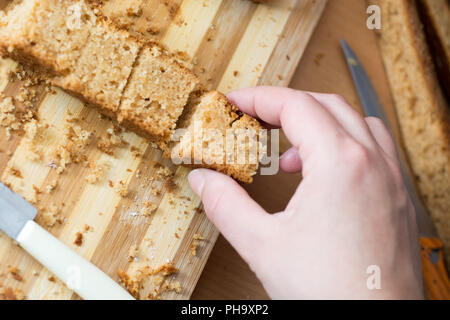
(213,134)
(139,85)
(103,68)
(423,114)
(50,33)
(86,54)
(157,91)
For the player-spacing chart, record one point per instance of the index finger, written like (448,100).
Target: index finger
(307,124)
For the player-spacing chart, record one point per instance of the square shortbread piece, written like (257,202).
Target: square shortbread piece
(210,124)
(156,94)
(49,33)
(102,71)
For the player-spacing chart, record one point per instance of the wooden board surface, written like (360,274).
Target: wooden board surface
(322,68)
(231,44)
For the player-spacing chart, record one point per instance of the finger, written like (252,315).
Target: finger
(382,136)
(238,217)
(307,124)
(290,161)
(348,117)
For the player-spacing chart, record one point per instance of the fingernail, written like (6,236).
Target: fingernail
(196,180)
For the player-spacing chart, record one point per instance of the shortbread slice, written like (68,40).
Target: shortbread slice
(102,71)
(156,94)
(214,134)
(48,33)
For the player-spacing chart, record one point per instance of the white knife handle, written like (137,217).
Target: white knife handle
(88,281)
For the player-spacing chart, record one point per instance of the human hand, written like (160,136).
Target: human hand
(350,211)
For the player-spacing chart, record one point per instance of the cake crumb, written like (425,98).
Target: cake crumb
(318,58)
(171,185)
(122,189)
(15,172)
(15,273)
(51,186)
(78,239)
(171,286)
(72,148)
(8,117)
(133,283)
(149,208)
(108,143)
(50,216)
(166,269)
(97,171)
(163,172)
(195,243)
(132,253)
(9,293)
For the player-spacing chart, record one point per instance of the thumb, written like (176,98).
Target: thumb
(237,216)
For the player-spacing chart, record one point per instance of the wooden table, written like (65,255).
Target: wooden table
(322,69)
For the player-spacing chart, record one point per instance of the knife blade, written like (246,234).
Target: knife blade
(373,108)
(435,274)
(89,282)
(15,212)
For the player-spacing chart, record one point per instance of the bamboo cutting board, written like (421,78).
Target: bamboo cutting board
(231,44)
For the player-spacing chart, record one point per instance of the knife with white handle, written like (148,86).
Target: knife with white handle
(81,276)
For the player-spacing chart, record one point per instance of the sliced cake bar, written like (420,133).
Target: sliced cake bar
(50,33)
(156,93)
(103,68)
(423,113)
(139,85)
(213,134)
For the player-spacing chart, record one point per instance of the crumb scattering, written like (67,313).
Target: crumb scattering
(9,293)
(8,117)
(50,216)
(158,277)
(110,141)
(73,146)
(96,173)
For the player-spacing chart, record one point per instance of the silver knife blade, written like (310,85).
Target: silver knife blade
(373,108)
(14,212)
